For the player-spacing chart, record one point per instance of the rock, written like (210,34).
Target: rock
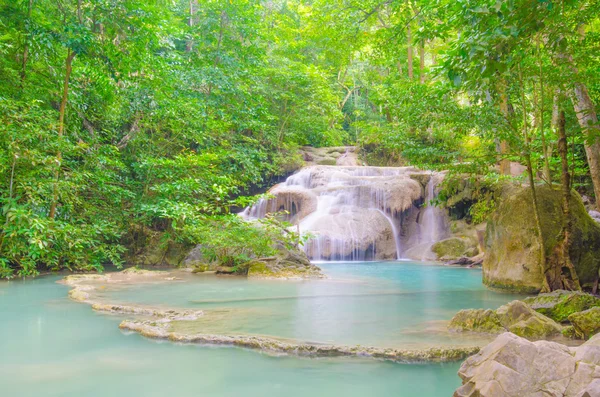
(595,215)
(225,270)
(522,320)
(168,330)
(78,294)
(454,248)
(352,231)
(156,252)
(512,247)
(296,201)
(586,323)
(476,320)
(348,159)
(511,366)
(143,272)
(466,261)
(194,257)
(288,263)
(559,305)
(200,268)
(515,317)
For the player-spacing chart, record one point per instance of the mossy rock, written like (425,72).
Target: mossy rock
(586,323)
(515,317)
(513,259)
(157,252)
(327,162)
(200,268)
(559,305)
(257,268)
(476,320)
(452,248)
(569,332)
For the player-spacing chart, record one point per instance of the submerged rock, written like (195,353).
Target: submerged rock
(466,261)
(515,317)
(515,367)
(512,247)
(559,305)
(150,329)
(586,323)
(169,314)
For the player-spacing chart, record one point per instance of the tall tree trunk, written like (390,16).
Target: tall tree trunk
(422,61)
(532,188)
(61,129)
(561,273)
(588,120)
(547,175)
(504,147)
(189,45)
(410,52)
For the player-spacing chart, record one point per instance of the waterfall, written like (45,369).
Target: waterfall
(433,221)
(351,212)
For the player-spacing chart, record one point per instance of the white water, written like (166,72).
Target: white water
(356,213)
(433,223)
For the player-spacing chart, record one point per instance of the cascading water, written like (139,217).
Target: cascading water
(351,213)
(433,223)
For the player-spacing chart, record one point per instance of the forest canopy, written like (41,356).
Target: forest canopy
(125,118)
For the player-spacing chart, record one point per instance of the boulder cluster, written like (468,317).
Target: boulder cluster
(574,315)
(512,366)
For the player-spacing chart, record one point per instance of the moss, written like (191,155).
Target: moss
(200,268)
(451,248)
(569,332)
(327,162)
(534,328)
(515,317)
(510,286)
(586,323)
(476,320)
(559,305)
(512,245)
(259,269)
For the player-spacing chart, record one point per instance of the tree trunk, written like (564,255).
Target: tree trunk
(532,188)
(540,120)
(410,52)
(61,128)
(561,273)
(504,147)
(588,120)
(189,45)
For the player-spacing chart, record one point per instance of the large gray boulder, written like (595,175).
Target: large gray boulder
(512,366)
(513,260)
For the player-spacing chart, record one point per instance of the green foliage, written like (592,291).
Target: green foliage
(173,110)
(171,114)
(231,241)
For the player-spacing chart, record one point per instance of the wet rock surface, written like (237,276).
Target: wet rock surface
(516,317)
(151,329)
(512,366)
(559,305)
(586,323)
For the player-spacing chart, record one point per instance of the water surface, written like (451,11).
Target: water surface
(383,304)
(51,346)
